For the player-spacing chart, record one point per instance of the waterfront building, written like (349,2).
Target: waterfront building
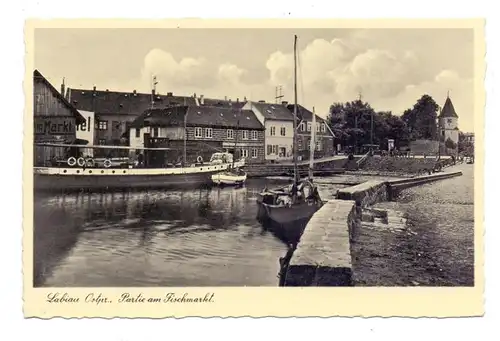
(469,137)
(55,121)
(203,130)
(224,103)
(278,123)
(115,110)
(448,122)
(324,135)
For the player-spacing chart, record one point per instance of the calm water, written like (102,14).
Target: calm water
(156,238)
(211,238)
(428,241)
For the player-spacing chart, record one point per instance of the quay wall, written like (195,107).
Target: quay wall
(323,254)
(276,169)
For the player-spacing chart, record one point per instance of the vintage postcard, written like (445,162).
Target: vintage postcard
(253,168)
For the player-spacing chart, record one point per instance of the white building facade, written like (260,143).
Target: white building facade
(278,123)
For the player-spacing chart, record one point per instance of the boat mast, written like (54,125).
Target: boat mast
(312,146)
(294,146)
(236,138)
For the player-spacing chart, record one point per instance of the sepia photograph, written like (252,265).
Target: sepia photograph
(254,157)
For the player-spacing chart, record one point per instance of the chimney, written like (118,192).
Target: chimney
(135,92)
(194,95)
(225,98)
(107,90)
(169,94)
(94,88)
(63,88)
(285,103)
(237,100)
(202,100)
(245,98)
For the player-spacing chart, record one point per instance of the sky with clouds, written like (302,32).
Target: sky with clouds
(391,68)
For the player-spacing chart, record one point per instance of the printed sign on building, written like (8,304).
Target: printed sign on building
(54,125)
(85,131)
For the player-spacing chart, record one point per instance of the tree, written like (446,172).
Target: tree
(421,119)
(450,144)
(465,147)
(351,123)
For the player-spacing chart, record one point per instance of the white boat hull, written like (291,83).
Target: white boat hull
(229,179)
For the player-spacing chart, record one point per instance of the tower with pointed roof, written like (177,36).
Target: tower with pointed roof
(448,122)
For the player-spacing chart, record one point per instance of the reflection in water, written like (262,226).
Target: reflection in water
(212,238)
(155,238)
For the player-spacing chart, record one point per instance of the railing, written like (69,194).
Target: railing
(363,159)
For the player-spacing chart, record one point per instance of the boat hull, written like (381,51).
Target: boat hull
(283,215)
(222,178)
(49,179)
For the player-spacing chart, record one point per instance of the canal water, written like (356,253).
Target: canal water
(157,238)
(427,240)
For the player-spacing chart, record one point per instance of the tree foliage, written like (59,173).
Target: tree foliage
(421,120)
(465,147)
(450,144)
(352,124)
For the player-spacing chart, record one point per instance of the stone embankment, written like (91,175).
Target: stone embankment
(323,255)
(335,163)
(405,165)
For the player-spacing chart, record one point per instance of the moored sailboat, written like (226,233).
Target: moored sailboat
(295,204)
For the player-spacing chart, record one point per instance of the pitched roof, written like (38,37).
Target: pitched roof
(273,111)
(199,116)
(127,103)
(213,102)
(448,109)
(37,76)
(303,113)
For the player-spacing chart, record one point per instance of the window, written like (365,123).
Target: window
(275,149)
(198,132)
(269,149)
(299,144)
(230,134)
(245,134)
(450,121)
(208,133)
(273,131)
(318,145)
(244,153)
(254,135)
(323,127)
(103,125)
(283,131)
(155,132)
(308,126)
(137,133)
(102,141)
(318,126)
(302,126)
(254,153)
(116,125)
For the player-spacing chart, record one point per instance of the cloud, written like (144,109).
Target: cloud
(230,74)
(329,71)
(186,72)
(461,91)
